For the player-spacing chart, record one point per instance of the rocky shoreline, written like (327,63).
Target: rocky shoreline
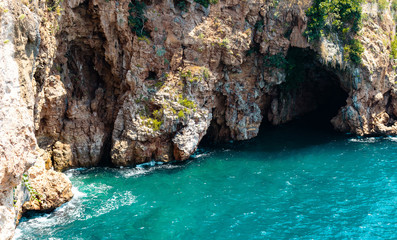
(85,83)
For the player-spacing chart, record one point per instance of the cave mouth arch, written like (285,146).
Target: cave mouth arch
(312,91)
(309,99)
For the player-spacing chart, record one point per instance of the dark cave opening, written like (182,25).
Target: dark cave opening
(151,76)
(312,90)
(310,97)
(82,73)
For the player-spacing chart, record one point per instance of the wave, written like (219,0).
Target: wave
(391,138)
(200,155)
(372,139)
(72,172)
(144,169)
(77,194)
(60,216)
(364,140)
(115,202)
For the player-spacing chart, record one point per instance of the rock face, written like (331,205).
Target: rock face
(52,188)
(371,105)
(123,96)
(19,47)
(17,144)
(81,85)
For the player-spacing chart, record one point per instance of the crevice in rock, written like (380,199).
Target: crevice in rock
(151,76)
(106,160)
(218,131)
(79,130)
(85,79)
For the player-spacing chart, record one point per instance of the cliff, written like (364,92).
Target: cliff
(125,94)
(25,182)
(95,82)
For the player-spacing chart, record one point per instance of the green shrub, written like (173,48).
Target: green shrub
(181,5)
(158,84)
(186,74)
(206,73)
(393,51)
(157,114)
(353,51)
(276,61)
(34,195)
(137,18)
(346,22)
(181,114)
(145,39)
(224,43)
(54,6)
(152,123)
(394,5)
(344,13)
(383,4)
(187,103)
(206,3)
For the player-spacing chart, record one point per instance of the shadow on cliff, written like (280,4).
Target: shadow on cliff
(310,130)
(310,97)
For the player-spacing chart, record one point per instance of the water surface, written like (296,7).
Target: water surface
(289,183)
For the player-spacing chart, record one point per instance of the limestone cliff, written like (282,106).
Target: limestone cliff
(20,39)
(121,82)
(115,94)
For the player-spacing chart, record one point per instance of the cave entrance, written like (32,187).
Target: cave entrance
(312,93)
(301,106)
(92,88)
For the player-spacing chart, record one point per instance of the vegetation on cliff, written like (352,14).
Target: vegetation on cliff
(206,3)
(137,18)
(342,17)
(393,52)
(34,195)
(182,5)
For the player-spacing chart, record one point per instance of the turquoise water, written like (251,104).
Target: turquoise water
(289,183)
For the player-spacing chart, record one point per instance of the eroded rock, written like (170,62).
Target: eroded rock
(53,188)
(91,91)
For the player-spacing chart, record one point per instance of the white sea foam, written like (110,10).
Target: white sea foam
(393,139)
(200,155)
(364,140)
(98,188)
(372,139)
(148,164)
(70,173)
(60,216)
(77,193)
(18,234)
(115,202)
(134,172)
(143,169)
